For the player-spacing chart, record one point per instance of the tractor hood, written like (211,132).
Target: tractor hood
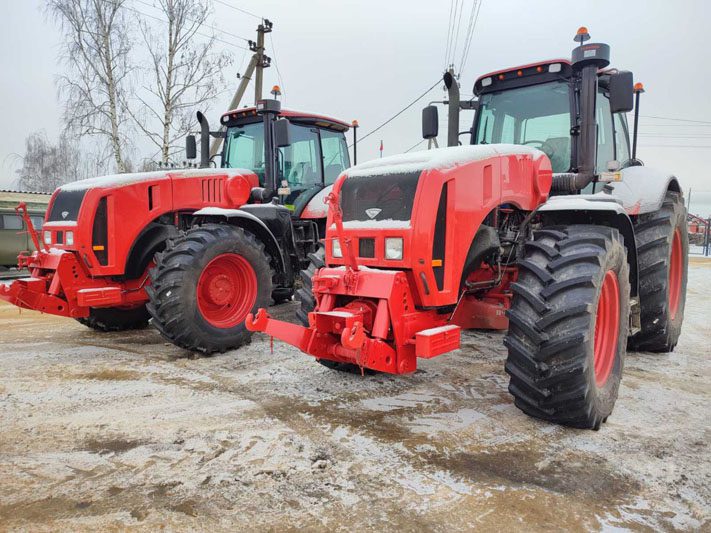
(113,181)
(192,188)
(441,159)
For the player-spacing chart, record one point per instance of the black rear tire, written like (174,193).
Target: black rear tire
(116,319)
(307,300)
(552,325)
(655,233)
(173,292)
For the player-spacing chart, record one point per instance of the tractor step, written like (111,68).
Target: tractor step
(437,341)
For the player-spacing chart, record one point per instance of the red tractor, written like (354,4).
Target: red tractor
(546,225)
(193,249)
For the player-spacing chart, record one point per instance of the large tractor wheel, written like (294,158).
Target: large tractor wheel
(663,256)
(568,325)
(205,283)
(307,300)
(116,318)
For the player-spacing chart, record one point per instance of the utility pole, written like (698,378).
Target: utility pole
(258,62)
(263,61)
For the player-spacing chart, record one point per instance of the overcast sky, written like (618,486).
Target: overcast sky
(366,59)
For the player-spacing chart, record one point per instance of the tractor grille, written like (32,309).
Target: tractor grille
(66,206)
(212,189)
(377,198)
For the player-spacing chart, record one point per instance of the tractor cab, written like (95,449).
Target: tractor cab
(294,154)
(573,110)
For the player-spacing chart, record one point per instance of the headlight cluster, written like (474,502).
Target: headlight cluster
(393,248)
(68,238)
(336,248)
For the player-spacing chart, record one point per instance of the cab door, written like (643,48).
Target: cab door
(301,163)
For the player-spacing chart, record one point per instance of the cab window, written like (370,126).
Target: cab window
(245,148)
(622,146)
(536,116)
(335,155)
(605,136)
(301,160)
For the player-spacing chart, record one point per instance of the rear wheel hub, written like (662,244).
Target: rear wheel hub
(676,272)
(226,290)
(607,328)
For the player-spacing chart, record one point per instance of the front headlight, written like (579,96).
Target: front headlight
(393,248)
(336,248)
(69,238)
(48,237)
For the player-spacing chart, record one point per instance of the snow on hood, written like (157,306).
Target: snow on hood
(116,180)
(440,158)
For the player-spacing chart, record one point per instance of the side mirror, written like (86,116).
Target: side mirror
(282,134)
(621,92)
(190,147)
(430,122)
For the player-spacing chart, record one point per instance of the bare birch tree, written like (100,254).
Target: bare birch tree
(96,52)
(46,166)
(186,73)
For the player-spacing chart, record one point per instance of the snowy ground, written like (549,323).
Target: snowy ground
(113,431)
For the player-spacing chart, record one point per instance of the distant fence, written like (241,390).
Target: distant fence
(699,235)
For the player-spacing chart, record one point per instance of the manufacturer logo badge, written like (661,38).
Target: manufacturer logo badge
(65,214)
(372,212)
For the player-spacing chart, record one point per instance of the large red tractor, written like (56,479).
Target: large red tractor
(195,249)
(546,225)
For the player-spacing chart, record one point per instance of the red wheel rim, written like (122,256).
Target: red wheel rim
(226,290)
(607,328)
(675,274)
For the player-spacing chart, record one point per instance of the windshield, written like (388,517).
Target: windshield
(335,155)
(300,162)
(537,116)
(312,152)
(244,148)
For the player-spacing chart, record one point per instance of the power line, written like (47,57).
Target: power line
(415,145)
(212,27)
(678,119)
(276,65)
(239,9)
(674,146)
(469,44)
(449,33)
(470,31)
(408,106)
(677,136)
(456,35)
(228,43)
(677,125)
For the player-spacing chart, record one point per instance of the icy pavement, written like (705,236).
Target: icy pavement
(113,431)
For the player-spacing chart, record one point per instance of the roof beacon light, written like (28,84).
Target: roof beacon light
(638,87)
(582,35)
(276,91)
